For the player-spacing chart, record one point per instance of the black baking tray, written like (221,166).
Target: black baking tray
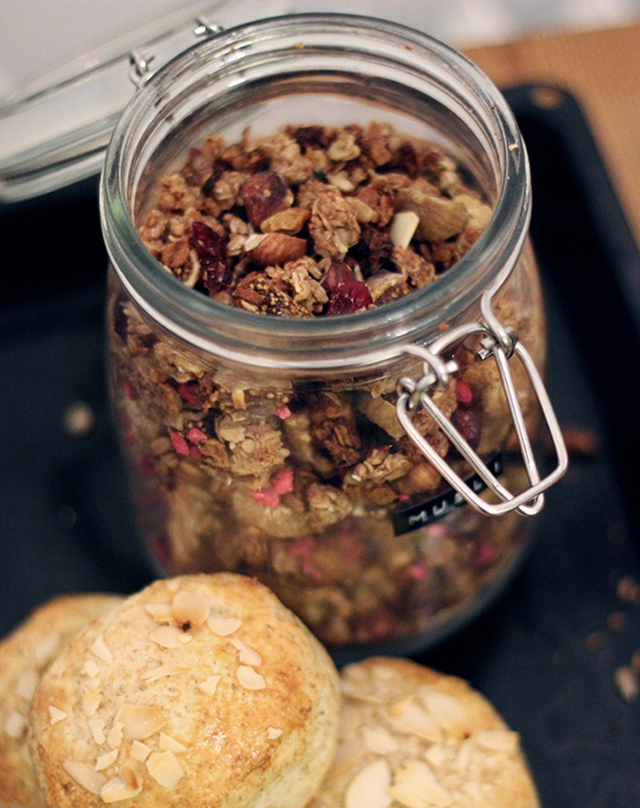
(545,653)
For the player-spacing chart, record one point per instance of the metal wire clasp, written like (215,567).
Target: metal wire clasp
(140,59)
(503,346)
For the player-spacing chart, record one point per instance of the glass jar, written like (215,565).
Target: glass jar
(333,457)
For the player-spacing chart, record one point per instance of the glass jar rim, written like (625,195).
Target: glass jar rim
(369,337)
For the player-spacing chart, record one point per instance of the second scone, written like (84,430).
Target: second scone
(413,737)
(199,690)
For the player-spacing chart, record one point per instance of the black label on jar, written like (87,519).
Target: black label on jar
(424,513)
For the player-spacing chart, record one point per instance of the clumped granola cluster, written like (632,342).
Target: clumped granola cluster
(295,481)
(313,221)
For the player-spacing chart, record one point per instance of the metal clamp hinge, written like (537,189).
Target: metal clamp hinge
(200,28)
(436,375)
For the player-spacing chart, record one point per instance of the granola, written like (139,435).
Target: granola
(296,483)
(313,221)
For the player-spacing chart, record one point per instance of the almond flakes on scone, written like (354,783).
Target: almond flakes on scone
(200,690)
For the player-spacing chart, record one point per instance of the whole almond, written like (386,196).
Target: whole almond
(264,194)
(276,249)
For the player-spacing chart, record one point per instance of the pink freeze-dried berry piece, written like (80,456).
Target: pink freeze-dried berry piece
(302,546)
(282,481)
(211,250)
(418,572)
(186,394)
(267,497)
(195,435)
(464,394)
(180,445)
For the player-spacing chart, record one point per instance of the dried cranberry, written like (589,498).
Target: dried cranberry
(467,422)
(212,254)
(349,297)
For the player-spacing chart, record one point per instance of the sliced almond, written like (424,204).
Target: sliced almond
(161,612)
(463,758)
(116,790)
(97,725)
(189,609)
(167,636)
(409,717)
(436,755)
(165,768)
(132,773)
(16,724)
(26,684)
(140,751)
(497,740)
(163,670)
(85,776)
(370,787)
(91,668)
(403,227)
(106,760)
(166,742)
(209,685)
(223,626)
(273,733)
(100,649)
(247,654)
(91,700)
(353,691)
(451,716)
(47,649)
(415,786)
(472,788)
(56,715)
(115,735)
(140,721)
(250,679)
(379,740)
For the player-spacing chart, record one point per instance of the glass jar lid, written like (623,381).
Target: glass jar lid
(54,131)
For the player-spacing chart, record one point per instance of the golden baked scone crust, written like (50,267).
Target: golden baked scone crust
(415,738)
(200,690)
(24,655)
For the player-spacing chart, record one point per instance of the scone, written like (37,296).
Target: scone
(201,690)
(415,738)
(24,655)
